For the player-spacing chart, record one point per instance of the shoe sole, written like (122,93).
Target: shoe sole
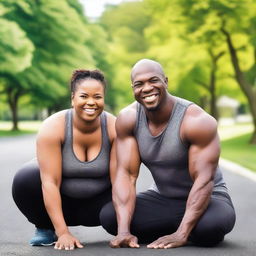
(43,244)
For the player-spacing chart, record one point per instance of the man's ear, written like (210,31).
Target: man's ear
(166,81)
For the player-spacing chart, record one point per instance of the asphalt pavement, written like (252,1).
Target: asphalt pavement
(15,230)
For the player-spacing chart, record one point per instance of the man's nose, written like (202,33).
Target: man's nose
(147,87)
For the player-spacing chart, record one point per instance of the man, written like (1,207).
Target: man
(178,142)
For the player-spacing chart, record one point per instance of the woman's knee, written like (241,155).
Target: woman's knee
(108,218)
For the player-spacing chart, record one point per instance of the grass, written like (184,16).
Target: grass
(239,150)
(231,131)
(4,133)
(25,127)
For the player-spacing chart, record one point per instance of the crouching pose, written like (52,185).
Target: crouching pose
(69,182)
(178,142)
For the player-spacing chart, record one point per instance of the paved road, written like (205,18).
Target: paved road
(15,231)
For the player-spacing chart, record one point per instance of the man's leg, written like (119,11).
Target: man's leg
(154,216)
(216,222)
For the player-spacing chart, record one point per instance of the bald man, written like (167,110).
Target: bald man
(178,142)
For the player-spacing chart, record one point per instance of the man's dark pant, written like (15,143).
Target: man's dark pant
(156,216)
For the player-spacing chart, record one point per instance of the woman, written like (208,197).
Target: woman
(69,183)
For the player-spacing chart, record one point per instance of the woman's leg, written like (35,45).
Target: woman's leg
(27,194)
(84,211)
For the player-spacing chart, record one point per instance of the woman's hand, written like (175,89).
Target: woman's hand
(67,242)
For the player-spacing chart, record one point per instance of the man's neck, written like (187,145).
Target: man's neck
(163,113)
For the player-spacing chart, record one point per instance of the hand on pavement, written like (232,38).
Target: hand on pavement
(170,241)
(67,242)
(124,240)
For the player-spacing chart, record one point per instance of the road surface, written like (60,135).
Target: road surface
(15,230)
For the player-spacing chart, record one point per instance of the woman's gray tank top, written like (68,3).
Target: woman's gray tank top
(85,179)
(166,156)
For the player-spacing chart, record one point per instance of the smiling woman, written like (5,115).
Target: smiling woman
(69,182)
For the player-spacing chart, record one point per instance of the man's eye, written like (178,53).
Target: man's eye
(137,85)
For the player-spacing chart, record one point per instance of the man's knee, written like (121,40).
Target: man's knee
(108,218)
(208,235)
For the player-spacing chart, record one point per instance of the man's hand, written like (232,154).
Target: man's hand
(67,242)
(124,240)
(169,241)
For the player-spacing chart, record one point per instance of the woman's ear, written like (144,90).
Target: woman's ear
(72,97)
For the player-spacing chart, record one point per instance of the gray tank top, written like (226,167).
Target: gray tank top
(166,156)
(85,179)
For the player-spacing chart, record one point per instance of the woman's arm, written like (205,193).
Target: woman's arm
(49,157)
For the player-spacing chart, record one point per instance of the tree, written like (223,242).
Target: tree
(125,26)
(234,23)
(16,52)
(58,33)
(191,55)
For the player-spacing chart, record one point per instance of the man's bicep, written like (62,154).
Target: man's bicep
(204,156)
(128,158)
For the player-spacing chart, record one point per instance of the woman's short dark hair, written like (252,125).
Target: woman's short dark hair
(85,74)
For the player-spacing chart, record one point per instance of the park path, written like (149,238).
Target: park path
(15,231)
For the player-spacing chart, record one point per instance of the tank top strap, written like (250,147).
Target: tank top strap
(138,117)
(104,128)
(68,126)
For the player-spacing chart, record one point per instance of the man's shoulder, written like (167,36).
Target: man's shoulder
(129,111)
(197,122)
(126,119)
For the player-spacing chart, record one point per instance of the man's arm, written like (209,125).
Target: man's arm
(124,180)
(200,130)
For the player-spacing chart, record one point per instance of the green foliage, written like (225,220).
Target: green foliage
(238,150)
(125,25)
(16,50)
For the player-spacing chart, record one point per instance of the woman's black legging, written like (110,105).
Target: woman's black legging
(156,216)
(27,194)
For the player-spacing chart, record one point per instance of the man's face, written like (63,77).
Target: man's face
(149,87)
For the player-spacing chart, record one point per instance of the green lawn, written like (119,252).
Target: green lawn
(25,127)
(4,133)
(238,150)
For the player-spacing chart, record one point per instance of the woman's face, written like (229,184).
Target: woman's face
(88,99)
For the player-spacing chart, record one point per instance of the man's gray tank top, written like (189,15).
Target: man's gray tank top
(166,156)
(85,179)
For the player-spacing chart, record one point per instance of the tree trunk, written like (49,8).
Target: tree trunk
(246,87)
(213,107)
(13,97)
(253,138)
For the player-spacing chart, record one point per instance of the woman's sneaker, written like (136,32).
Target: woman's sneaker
(43,237)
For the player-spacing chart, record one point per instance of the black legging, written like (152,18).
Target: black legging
(27,194)
(156,216)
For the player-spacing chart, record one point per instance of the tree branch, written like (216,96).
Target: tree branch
(204,85)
